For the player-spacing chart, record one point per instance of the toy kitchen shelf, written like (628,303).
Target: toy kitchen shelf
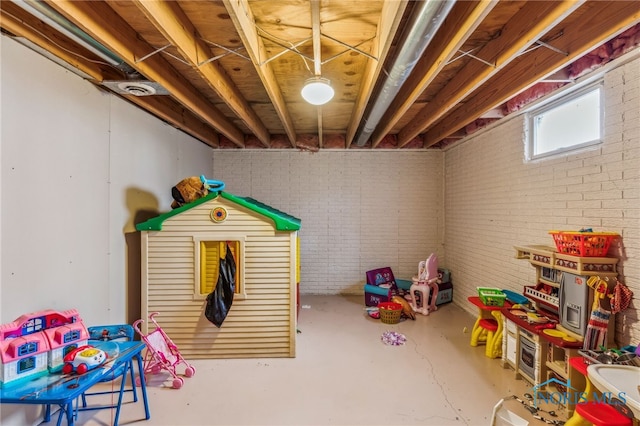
(536,356)
(547,256)
(549,265)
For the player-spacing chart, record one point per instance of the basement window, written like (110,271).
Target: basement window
(209,253)
(569,123)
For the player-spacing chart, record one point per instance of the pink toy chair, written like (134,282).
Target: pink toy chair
(424,283)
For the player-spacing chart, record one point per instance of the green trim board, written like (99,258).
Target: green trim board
(282,221)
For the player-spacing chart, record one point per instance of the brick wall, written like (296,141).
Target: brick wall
(494,200)
(360,210)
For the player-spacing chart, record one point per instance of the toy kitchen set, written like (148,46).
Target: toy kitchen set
(569,308)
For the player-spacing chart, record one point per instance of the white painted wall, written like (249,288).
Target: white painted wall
(360,210)
(495,200)
(78,165)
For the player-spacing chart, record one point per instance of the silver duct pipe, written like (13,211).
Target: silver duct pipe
(52,18)
(425,20)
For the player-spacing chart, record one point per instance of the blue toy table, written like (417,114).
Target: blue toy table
(63,389)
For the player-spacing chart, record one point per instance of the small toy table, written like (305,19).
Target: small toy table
(488,327)
(63,389)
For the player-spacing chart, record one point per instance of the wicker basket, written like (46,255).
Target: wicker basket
(390,312)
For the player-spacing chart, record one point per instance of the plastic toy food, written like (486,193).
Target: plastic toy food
(83,359)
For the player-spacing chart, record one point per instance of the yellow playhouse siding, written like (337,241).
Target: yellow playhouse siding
(260,325)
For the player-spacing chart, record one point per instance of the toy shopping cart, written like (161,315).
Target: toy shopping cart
(162,353)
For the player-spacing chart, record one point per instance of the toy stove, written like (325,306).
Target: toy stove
(529,356)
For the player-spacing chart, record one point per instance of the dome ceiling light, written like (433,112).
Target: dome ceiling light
(317,91)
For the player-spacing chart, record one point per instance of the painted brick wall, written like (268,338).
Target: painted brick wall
(494,200)
(360,210)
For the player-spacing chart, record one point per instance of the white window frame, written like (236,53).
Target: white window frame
(554,103)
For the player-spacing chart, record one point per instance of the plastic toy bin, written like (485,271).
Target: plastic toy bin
(390,312)
(503,417)
(583,244)
(491,296)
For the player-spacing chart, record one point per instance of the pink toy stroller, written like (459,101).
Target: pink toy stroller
(162,353)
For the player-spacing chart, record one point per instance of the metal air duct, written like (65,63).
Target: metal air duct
(46,14)
(133,85)
(425,20)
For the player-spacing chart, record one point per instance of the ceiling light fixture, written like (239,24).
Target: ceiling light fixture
(317,91)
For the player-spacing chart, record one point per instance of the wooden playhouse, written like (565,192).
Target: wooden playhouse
(180,258)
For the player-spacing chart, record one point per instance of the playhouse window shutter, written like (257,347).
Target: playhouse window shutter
(210,254)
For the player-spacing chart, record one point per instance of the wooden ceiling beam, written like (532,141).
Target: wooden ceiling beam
(390,19)
(178,116)
(171,21)
(317,56)
(531,22)
(244,21)
(161,106)
(33,30)
(107,27)
(458,26)
(315,35)
(590,26)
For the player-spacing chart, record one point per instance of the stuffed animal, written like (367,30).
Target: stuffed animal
(187,191)
(192,188)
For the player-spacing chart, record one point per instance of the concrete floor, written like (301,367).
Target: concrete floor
(343,375)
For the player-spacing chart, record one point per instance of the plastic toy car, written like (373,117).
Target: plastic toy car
(83,359)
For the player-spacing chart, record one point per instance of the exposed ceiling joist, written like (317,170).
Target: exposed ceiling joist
(178,116)
(580,33)
(36,32)
(483,60)
(390,18)
(171,21)
(528,25)
(244,21)
(317,55)
(461,22)
(62,49)
(423,23)
(103,24)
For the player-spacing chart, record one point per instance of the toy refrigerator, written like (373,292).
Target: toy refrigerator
(575,302)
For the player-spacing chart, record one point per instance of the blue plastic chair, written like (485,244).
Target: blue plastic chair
(106,333)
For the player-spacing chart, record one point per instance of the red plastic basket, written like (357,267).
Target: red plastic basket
(390,312)
(584,244)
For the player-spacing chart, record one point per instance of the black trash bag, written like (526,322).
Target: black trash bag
(220,299)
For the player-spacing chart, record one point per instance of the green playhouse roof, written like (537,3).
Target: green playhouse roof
(283,221)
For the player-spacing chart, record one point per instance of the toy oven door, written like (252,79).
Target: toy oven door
(527,358)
